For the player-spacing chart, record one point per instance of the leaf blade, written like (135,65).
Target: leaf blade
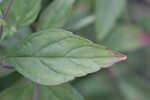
(25,91)
(59,53)
(55,15)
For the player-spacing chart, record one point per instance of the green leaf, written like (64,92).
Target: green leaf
(26,11)
(97,87)
(80,16)
(1,13)
(1,1)
(124,38)
(135,88)
(9,80)
(55,56)
(5,71)
(2,22)
(13,39)
(25,91)
(144,23)
(55,15)
(18,92)
(107,12)
(60,92)
(22,12)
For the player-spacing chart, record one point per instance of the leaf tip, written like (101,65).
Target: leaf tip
(121,57)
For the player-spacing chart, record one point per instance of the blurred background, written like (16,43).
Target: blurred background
(121,25)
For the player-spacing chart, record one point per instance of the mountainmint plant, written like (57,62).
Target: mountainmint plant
(36,42)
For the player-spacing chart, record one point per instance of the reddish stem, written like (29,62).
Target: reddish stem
(5,15)
(35,92)
(7,10)
(1,30)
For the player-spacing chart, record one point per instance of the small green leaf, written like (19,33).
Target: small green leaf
(26,11)
(55,15)
(2,22)
(124,38)
(55,56)
(107,12)
(25,91)
(13,39)
(22,12)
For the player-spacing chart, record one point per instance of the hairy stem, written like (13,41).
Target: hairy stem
(35,92)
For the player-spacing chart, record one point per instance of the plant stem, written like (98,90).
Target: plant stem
(8,66)
(35,92)
(1,30)
(5,15)
(7,10)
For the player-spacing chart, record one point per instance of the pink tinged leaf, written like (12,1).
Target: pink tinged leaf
(120,57)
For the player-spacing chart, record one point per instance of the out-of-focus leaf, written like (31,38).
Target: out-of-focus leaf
(59,56)
(80,15)
(124,38)
(97,87)
(1,13)
(5,71)
(86,32)
(25,91)
(45,3)
(135,89)
(11,41)
(23,11)
(55,15)
(107,12)
(144,23)
(21,14)
(83,22)
(60,92)
(9,80)
(2,22)
(19,91)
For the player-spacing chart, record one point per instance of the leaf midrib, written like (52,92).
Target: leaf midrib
(67,57)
